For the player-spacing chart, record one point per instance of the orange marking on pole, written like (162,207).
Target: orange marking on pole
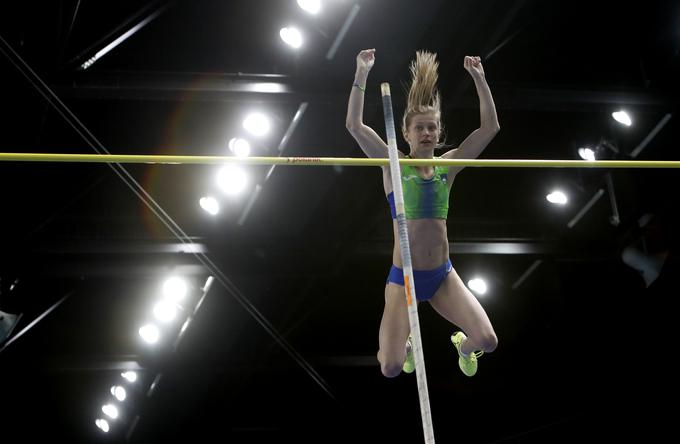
(408,290)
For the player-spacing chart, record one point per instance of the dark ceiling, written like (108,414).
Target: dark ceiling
(281,346)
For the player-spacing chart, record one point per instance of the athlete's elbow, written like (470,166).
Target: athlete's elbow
(354,128)
(493,128)
(490,130)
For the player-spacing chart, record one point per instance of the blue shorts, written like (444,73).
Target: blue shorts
(427,281)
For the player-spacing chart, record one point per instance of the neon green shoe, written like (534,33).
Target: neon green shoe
(409,363)
(468,364)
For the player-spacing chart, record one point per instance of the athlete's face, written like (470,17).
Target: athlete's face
(423,132)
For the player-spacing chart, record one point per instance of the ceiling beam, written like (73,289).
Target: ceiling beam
(590,251)
(278,89)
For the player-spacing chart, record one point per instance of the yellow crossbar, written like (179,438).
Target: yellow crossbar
(344,161)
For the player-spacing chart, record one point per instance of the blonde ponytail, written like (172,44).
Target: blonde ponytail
(423,96)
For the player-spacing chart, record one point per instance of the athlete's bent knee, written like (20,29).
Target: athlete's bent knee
(390,369)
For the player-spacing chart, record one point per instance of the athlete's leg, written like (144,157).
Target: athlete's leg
(458,305)
(394,330)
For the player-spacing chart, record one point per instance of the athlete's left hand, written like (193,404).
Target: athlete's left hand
(473,65)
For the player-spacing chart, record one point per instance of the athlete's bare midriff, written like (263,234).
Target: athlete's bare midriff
(428,243)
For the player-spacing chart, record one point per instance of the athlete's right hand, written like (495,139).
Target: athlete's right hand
(366,59)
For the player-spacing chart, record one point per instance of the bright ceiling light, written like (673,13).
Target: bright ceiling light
(149,333)
(231,180)
(174,289)
(311,6)
(557,197)
(119,392)
(477,285)
(165,311)
(256,124)
(130,376)
(210,205)
(622,117)
(103,425)
(291,36)
(240,147)
(586,153)
(110,410)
